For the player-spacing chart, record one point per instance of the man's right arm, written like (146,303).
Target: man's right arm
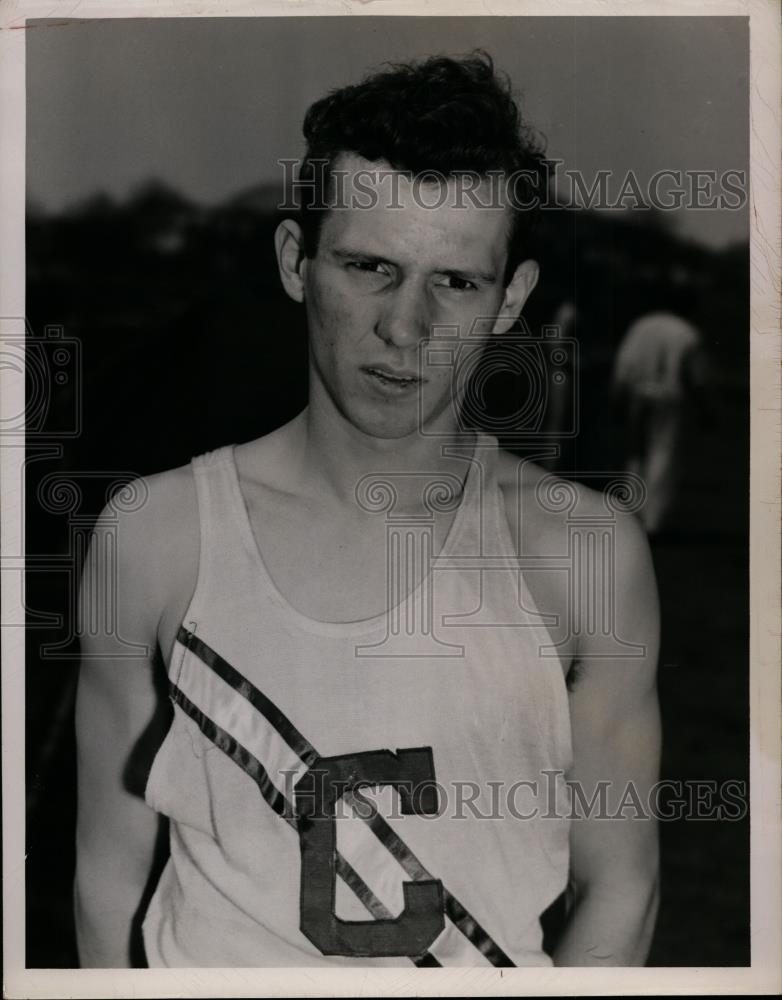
(117,710)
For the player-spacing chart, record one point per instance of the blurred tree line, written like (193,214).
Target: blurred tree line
(189,340)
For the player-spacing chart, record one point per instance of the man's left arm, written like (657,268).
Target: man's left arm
(616,740)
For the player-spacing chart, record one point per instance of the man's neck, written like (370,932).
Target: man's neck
(336,456)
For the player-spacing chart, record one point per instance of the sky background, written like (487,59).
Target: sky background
(208,105)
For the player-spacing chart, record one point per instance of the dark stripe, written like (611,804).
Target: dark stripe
(466,923)
(253,767)
(473,931)
(427,960)
(249,764)
(354,881)
(257,699)
(396,846)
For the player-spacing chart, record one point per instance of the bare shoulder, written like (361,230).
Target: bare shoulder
(155,527)
(163,515)
(540,506)
(550,518)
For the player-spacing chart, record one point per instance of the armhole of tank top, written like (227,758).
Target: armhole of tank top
(202,468)
(552,672)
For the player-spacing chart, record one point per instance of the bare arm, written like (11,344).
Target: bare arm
(117,705)
(616,739)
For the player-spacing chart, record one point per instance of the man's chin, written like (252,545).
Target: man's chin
(388,427)
(389,430)
(396,423)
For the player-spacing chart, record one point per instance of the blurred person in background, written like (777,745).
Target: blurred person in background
(659,370)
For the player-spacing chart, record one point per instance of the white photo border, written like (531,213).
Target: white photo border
(764,976)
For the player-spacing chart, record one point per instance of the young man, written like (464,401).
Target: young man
(371,728)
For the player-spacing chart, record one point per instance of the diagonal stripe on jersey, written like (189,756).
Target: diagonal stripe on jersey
(291,754)
(300,746)
(255,770)
(238,754)
(353,880)
(467,924)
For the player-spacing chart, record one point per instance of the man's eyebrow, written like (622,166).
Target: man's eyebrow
(487,277)
(347,253)
(465,274)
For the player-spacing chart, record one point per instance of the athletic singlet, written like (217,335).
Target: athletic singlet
(378,792)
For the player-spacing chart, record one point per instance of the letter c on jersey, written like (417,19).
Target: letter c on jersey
(317,794)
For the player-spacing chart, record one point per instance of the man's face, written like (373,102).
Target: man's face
(382,278)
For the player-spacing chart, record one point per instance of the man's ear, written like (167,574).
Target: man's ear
(290,258)
(524,279)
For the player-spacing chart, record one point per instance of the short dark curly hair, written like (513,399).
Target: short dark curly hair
(446,114)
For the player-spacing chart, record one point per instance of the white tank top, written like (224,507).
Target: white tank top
(379,792)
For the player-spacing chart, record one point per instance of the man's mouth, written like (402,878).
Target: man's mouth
(389,377)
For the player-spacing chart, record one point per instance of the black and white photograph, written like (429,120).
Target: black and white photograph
(390,500)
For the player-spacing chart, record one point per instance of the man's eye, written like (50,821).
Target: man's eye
(457,284)
(367,266)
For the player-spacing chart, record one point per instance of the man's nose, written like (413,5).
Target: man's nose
(405,319)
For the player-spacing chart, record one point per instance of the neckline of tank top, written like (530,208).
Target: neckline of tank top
(485,445)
